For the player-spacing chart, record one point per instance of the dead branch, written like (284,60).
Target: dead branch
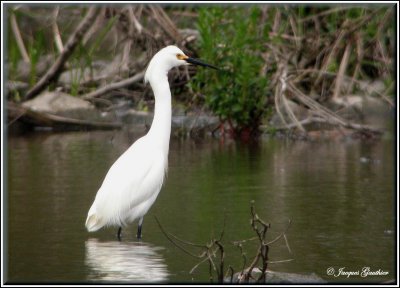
(174,243)
(317,108)
(287,243)
(214,253)
(98,23)
(324,13)
(342,71)
(220,272)
(331,56)
(231,271)
(280,97)
(197,265)
(18,38)
(263,249)
(165,22)
(113,86)
(349,125)
(129,41)
(55,70)
(135,21)
(280,235)
(56,31)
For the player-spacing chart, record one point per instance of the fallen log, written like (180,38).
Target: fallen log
(33,118)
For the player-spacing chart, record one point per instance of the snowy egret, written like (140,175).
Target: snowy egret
(133,182)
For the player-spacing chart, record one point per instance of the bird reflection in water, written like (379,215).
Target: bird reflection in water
(124,262)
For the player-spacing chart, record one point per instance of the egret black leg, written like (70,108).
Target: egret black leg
(139,230)
(119,233)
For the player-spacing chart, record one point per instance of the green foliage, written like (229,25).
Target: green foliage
(103,33)
(250,43)
(35,51)
(13,53)
(232,39)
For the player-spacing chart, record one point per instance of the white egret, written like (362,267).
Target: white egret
(133,182)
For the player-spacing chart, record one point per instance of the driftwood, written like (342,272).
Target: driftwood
(54,72)
(42,119)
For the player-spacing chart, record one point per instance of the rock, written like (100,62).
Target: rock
(135,117)
(179,123)
(349,101)
(23,72)
(77,75)
(57,102)
(62,104)
(15,89)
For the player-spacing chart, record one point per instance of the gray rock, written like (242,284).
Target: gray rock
(57,102)
(62,104)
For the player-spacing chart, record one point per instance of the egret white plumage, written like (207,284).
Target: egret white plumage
(134,181)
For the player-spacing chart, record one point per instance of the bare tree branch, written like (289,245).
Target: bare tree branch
(56,69)
(18,38)
(113,86)
(56,31)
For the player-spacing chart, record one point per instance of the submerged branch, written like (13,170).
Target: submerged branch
(166,234)
(214,253)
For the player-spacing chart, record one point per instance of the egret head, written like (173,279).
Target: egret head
(168,58)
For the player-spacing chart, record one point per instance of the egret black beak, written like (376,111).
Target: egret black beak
(199,62)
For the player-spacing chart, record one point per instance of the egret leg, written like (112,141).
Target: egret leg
(139,230)
(119,233)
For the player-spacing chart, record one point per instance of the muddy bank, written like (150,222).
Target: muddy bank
(366,117)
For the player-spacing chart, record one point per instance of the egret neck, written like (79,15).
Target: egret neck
(161,127)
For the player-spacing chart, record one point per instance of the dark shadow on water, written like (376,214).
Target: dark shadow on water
(116,261)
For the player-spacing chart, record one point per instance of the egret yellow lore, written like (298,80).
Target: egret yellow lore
(133,182)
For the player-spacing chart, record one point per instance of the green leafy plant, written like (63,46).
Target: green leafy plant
(237,93)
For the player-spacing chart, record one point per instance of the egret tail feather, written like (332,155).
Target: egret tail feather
(93,223)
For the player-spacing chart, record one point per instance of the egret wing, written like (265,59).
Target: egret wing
(134,178)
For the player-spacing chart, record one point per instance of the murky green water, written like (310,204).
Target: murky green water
(339,196)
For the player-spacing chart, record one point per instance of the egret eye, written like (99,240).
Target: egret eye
(181,56)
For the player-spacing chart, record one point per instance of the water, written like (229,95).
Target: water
(338,195)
